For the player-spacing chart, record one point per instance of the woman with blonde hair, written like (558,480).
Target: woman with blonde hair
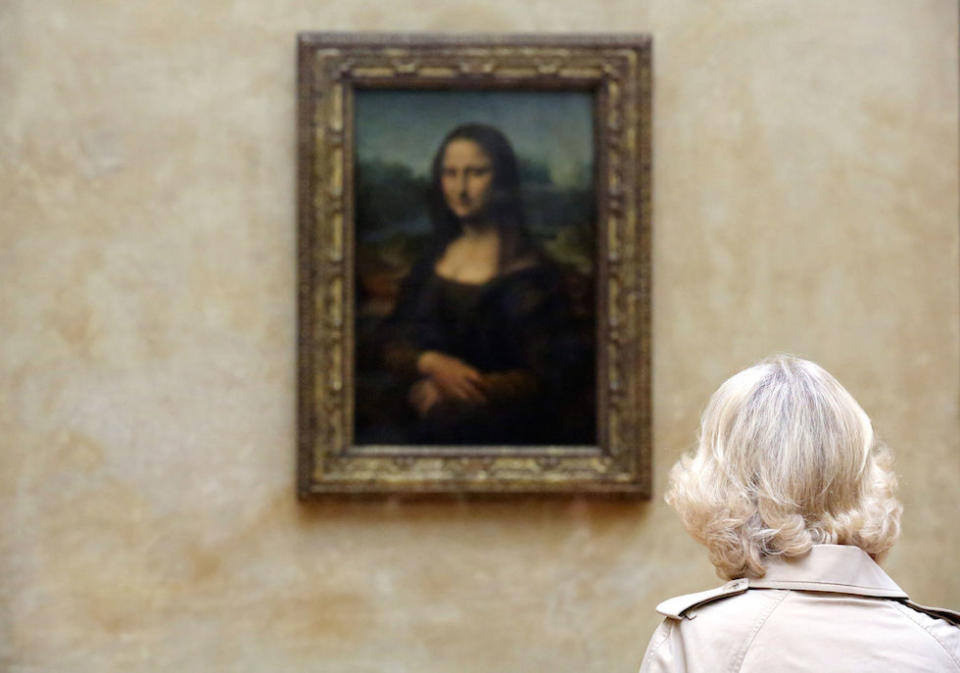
(793,496)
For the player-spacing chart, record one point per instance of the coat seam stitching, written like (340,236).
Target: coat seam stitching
(738,662)
(759,585)
(899,607)
(664,637)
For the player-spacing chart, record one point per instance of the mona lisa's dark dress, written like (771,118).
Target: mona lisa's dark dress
(519,331)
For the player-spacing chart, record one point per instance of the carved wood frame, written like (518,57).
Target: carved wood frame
(618,69)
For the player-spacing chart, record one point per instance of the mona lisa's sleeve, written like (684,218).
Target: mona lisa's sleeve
(412,327)
(513,384)
(546,334)
(551,354)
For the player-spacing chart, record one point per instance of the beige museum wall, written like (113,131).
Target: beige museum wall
(806,200)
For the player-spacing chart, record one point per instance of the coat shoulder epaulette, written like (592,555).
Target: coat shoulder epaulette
(677,606)
(939,613)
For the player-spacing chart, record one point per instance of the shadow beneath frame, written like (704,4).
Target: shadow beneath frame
(522,508)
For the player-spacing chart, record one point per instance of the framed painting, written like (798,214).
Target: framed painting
(474,264)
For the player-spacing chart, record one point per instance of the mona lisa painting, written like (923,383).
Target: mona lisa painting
(474,264)
(474,306)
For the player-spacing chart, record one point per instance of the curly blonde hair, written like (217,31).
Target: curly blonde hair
(786,459)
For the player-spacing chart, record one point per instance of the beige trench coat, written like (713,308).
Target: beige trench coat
(833,609)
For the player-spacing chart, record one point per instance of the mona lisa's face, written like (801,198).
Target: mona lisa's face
(466,176)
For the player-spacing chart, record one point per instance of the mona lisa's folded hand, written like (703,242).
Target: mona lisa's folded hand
(423,396)
(509,386)
(453,377)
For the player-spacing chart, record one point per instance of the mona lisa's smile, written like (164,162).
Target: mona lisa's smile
(467,179)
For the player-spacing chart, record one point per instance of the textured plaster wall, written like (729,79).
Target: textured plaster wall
(806,200)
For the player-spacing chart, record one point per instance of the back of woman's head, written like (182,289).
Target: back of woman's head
(786,459)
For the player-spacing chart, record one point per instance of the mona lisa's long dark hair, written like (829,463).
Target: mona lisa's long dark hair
(506,206)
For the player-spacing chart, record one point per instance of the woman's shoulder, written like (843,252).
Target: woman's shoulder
(682,606)
(422,268)
(707,630)
(534,269)
(526,289)
(793,630)
(942,624)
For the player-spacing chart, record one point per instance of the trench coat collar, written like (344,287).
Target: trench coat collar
(829,567)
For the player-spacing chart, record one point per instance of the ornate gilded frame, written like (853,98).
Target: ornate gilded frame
(618,69)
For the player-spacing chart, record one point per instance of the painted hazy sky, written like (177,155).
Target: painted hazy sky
(554,127)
